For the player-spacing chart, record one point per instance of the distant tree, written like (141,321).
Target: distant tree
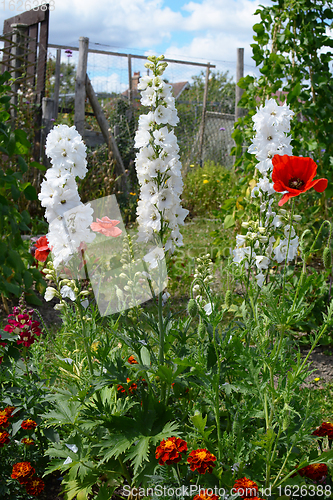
(67,77)
(221,91)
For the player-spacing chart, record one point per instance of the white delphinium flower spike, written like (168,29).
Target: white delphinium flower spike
(69,219)
(159,212)
(271,123)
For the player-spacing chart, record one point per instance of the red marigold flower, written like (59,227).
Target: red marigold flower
(169,450)
(35,486)
(132,360)
(22,471)
(131,388)
(295,174)
(202,460)
(4,438)
(106,226)
(42,249)
(326,429)
(4,419)
(206,495)
(27,441)
(246,488)
(28,424)
(314,471)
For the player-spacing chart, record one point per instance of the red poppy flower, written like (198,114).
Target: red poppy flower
(42,249)
(35,486)
(295,174)
(326,429)
(314,471)
(201,459)
(169,451)
(28,424)
(22,471)
(106,226)
(4,438)
(246,488)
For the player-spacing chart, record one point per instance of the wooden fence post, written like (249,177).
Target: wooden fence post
(57,84)
(106,131)
(130,86)
(239,74)
(80,85)
(47,124)
(203,118)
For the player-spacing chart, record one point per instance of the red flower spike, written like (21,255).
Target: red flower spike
(42,249)
(295,174)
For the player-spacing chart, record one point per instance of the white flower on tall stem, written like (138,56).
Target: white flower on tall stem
(271,123)
(159,212)
(69,219)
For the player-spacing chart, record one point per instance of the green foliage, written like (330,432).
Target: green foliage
(15,274)
(292,50)
(207,189)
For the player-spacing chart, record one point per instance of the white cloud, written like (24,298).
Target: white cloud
(111,83)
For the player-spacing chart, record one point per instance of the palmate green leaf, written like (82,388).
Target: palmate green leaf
(115,446)
(67,413)
(139,452)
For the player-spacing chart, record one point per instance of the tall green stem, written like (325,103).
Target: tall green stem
(289,238)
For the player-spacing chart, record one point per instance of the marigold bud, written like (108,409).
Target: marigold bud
(327,261)
(228,299)
(192,308)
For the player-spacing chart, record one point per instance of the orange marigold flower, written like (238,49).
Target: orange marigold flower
(202,460)
(131,388)
(326,429)
(4,418)
(9,410)
(22,471)
(246,488)
(169,450)
(4,438)
(35,486)
(314,471)
(27,441)
(132,360)
(206,495)
(28,424)
(295,174)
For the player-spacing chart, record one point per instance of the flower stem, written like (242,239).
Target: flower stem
(289,238)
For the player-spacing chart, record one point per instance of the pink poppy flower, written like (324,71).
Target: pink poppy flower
(106,226)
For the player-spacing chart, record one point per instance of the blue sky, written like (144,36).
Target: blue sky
(200,30)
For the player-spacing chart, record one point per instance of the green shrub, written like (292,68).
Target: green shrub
(16,271)
(207,188)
